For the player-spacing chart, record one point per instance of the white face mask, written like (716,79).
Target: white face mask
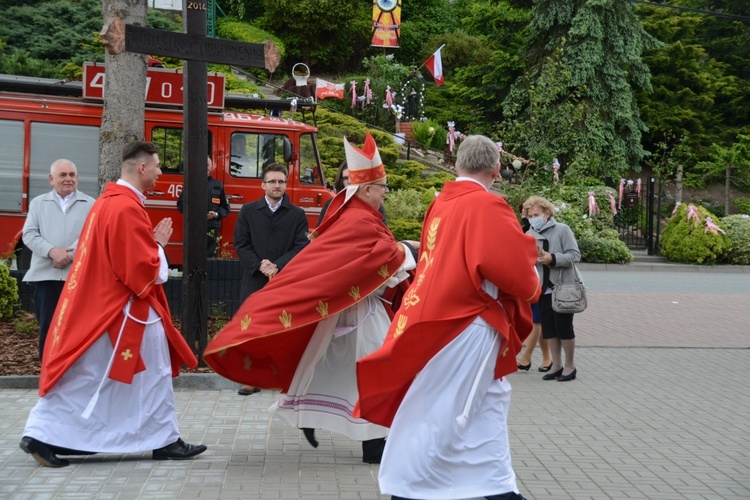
(537,223)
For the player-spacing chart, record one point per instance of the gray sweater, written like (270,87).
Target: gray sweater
(564,248)
(47,227)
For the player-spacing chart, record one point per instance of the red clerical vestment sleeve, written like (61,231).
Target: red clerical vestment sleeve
(117,259)
(468,227)
(349,260)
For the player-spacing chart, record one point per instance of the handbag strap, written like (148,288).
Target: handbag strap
(578,278)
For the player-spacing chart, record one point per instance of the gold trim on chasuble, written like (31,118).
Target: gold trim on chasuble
(411,298)
(83,249)
(55,333)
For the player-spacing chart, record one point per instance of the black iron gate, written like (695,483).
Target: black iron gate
(638,219)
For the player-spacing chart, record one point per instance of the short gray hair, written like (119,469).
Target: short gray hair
(477,154)
(61,161)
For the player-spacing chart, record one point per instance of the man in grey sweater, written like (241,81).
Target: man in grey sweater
(54,221)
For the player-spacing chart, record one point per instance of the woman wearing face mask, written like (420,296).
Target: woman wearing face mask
(557,256)
(535,337)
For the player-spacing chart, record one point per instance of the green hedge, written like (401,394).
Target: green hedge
(688,241)
(8,292)
(738,230)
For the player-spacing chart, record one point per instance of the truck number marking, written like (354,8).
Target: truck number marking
(175,190)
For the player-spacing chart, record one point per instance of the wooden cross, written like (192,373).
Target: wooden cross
(197,50)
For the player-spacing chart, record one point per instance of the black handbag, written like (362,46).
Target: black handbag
(569,298)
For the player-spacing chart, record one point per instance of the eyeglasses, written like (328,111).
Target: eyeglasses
(275,182)
(384,186)
(345,178)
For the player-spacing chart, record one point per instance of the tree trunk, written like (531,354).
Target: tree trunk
(678,185)
(124,90)
(726,189)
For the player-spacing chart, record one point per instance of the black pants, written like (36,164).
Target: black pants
(554,324)
(46,295)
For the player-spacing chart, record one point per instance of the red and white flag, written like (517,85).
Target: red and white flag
(434,65)
(324,89)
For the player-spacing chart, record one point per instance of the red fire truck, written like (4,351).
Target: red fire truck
(42,120)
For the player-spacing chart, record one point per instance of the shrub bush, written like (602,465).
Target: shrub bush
(404,204)
(8,292)
(688,241)
(743,204)
(601,250)
(738,230)
(405,229)
(430,134)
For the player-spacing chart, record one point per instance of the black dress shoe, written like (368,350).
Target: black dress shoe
(246,390)
(372,450)
(59,450)
(42,453)
(524,367)
(179,450)
(545,368)
(310,435)
(570,376)
(553,376)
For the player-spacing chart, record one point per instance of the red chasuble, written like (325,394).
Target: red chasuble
(352,256)
(469,235)
(117,259)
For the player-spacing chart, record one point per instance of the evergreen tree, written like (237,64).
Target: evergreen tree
(598,44)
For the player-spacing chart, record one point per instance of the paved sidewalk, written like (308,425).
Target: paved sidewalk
(659,410)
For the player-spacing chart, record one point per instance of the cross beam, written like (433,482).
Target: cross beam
(197,50)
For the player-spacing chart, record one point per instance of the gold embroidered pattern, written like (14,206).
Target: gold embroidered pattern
(505,351)
(55,334)
(354,293)
(286,319)
(245,323)
(411,298)
(400,325)
(222,353)
(83,249)
(384,271)
(126,355)
(322,308)
(432,234)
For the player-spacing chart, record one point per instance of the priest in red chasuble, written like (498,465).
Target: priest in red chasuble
(439,379)
(303,332)
(106,380)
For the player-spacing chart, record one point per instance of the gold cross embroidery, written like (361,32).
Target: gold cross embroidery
(126,355)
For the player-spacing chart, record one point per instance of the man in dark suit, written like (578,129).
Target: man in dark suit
(269,232)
